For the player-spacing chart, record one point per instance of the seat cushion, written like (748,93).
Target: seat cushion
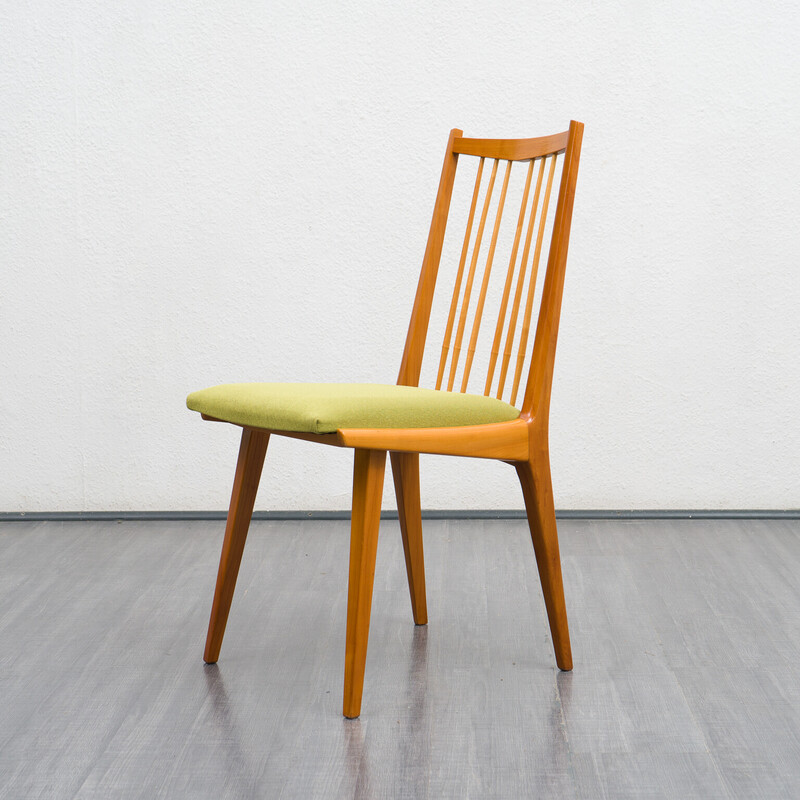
(327,407)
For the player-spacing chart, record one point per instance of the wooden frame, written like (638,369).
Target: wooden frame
(522,442)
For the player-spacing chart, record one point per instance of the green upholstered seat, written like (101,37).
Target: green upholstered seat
(327,407)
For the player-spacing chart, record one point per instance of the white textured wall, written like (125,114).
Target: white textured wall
(193,193)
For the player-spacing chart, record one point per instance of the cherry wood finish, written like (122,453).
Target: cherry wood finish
(252,450)
(507,441)
(366,517)
(420,315)
(537,489)
(405,471)
(522,442)
(513,149)
(501,318)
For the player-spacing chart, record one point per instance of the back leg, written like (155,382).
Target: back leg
(405,471)
(537,489)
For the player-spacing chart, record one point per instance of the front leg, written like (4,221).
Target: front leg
(252,450)
(367,493)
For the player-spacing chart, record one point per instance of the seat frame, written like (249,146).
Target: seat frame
(522,442)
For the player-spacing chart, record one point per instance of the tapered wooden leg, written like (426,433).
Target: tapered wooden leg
(245,485)
(405,470)
(367,492)
(537,489)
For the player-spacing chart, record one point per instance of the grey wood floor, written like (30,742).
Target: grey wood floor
(686,636)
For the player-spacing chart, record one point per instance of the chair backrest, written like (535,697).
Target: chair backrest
(515,245)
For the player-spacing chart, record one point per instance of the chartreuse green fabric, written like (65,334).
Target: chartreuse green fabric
(327,407)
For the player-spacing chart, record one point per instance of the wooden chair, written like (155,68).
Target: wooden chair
(406,420)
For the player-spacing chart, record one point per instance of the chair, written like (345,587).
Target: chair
(406,420)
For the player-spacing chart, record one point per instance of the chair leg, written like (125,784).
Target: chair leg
(537,489)
(405,470)
(252,450)
(367,492)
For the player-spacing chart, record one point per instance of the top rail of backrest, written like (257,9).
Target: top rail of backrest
(512,149)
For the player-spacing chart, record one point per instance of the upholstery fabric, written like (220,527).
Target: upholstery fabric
(327,407)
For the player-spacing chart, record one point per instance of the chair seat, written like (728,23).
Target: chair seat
(328,407)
